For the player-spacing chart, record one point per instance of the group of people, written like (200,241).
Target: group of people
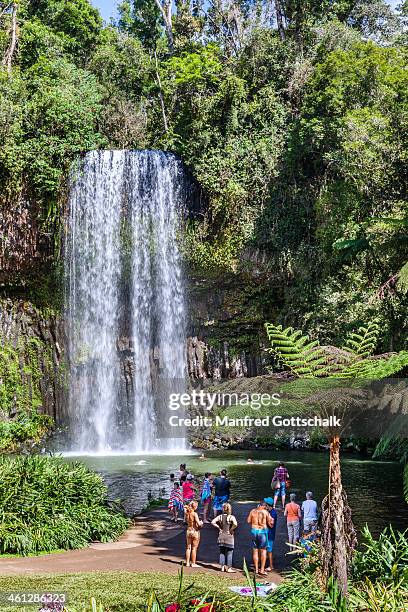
(262,519)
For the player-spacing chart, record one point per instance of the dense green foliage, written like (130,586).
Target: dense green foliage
(25,428)
(24,367)
(292,116)
(379,582)
(384,559)
(47,504)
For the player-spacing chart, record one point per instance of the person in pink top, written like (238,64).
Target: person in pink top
(188,489)
(293,515)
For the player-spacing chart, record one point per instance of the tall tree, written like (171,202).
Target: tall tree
(166,10)
(355,362)
(9,11)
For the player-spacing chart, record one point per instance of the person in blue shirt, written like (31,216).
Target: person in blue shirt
(271,531)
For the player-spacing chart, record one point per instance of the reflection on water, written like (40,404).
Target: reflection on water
(374,488)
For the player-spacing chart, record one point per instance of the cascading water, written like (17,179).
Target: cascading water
(124,281)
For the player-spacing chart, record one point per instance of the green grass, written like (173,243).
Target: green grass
(120,591)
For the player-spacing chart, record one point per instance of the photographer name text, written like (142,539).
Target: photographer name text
(252,421)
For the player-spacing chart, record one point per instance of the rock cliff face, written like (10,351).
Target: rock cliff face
(226,316)
(37,338)
(225,339)
(26,246)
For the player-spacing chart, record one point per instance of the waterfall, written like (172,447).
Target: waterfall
(125,300)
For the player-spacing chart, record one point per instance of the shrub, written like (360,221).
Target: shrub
(26,428)
(47,504)
(384,559)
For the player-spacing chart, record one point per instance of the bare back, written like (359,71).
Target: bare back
(259,518)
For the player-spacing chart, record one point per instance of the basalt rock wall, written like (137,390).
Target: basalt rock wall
(37,339)
(226,337)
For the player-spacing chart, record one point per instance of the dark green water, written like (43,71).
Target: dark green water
(374,488)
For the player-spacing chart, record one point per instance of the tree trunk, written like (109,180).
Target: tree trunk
(159,85)
(338,534)
(279,19)
(165,9)
(9,54)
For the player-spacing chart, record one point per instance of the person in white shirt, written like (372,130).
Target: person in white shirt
(309,513)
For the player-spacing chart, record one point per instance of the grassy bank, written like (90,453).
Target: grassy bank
(119,591)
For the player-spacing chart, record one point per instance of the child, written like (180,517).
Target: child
(188,489)
(176,502)
(206,496)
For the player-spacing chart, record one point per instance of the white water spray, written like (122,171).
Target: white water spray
(124,279)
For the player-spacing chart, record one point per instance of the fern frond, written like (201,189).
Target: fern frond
(363,342)
(303,357)
(406,483)
(384,367)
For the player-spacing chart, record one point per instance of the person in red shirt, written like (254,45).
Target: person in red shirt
(188,489)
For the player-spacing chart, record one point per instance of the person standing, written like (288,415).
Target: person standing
(182,475)
(222,488)
(259,519)
(271,531)
(176,502)
(279,480)
(206,496)
(226,523)
(293,515)
(188,489)
(309,513)
(192,534)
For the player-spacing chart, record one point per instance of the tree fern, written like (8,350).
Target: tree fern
(363,342)
(307,359)
(302,357)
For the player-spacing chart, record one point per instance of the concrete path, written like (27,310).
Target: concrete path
(154,543)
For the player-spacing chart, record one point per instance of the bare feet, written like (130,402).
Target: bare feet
(194,565)
(262,573)
(231,571)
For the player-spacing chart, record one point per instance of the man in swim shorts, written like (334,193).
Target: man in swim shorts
(259,519)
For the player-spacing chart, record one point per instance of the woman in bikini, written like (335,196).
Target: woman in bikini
(193,533)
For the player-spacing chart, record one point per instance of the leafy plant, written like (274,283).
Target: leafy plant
(299,593)
(294,350)
(47,504)
(308,359)
(378,597)
(363,342)
(384,559)
(186,599)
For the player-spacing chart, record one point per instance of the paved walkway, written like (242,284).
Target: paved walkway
(154,543)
